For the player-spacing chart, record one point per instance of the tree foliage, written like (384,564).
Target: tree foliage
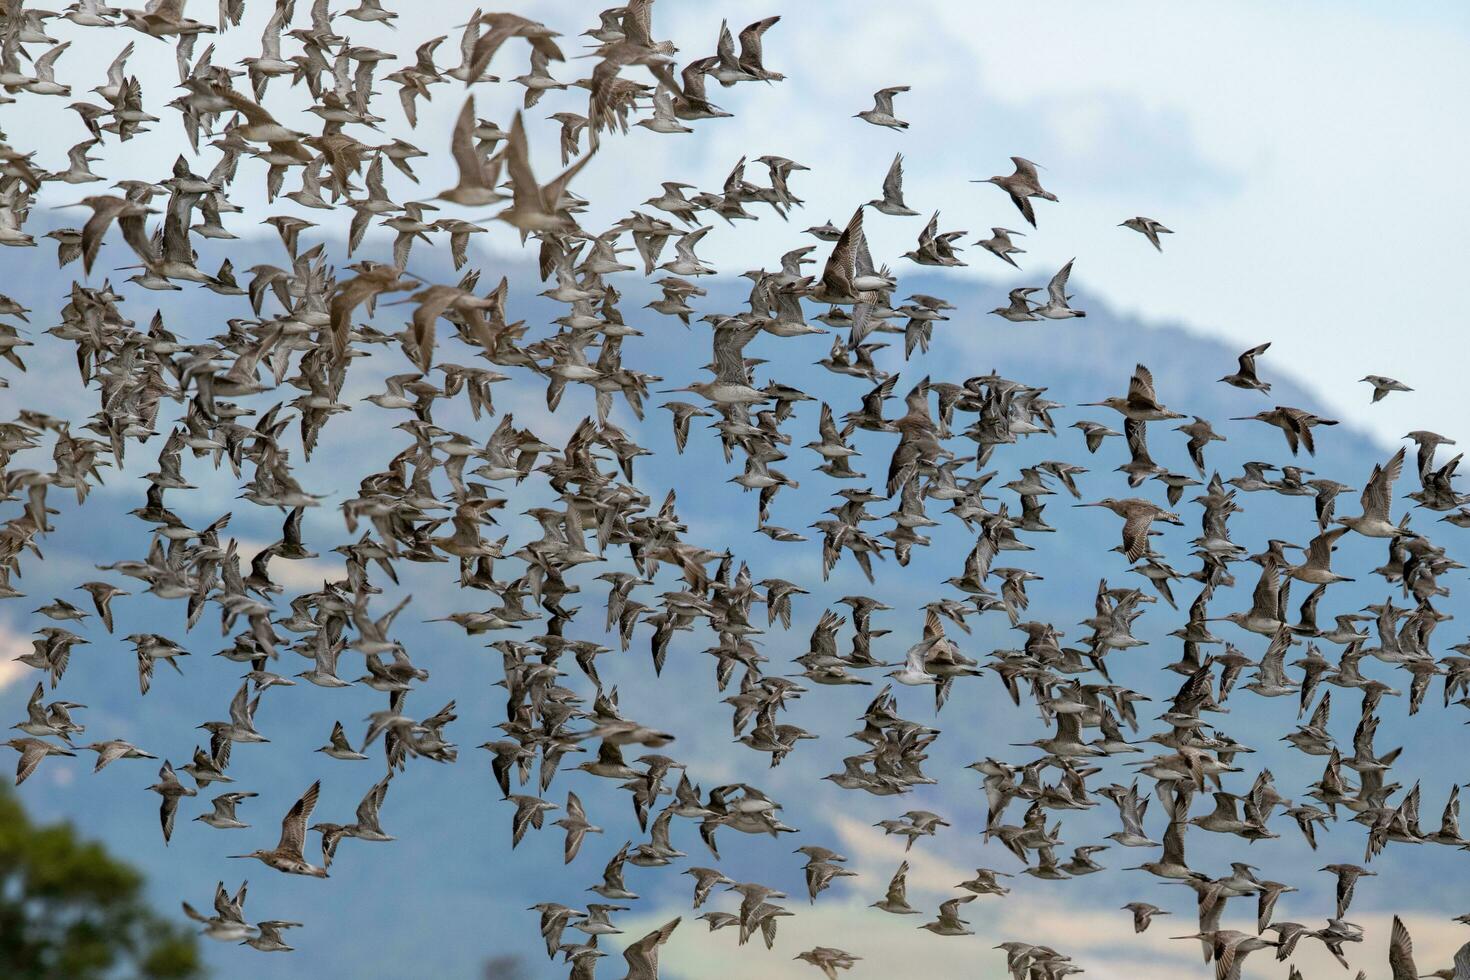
(71,911)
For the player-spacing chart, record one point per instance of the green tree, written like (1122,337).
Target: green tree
(70,911)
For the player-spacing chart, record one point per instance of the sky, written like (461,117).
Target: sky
(1304,155)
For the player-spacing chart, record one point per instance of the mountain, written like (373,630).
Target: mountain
(447,895)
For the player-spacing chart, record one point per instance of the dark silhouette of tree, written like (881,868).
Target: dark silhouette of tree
(505,967)
(71,911)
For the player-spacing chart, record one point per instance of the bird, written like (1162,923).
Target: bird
(1020,308)
(896,900)
(1143,914)
(1138,515)
(828,959)
(1148,228)
(1383,386)
(114,749)
(576,825)
(642,956)
(882,112)
(223,816)
(268,937)
(32,751)
(892,200)
(1000,245)
(1245,375)
(1022,185)
(1376,500)
(1056,306)
(1141,404)
(392,412)
(287,856)
(171,791)
(949,922)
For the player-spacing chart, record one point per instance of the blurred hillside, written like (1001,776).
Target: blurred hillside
(448,891)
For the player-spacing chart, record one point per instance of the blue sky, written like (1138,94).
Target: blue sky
(1310,158)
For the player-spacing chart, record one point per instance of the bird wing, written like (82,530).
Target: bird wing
(1141,387)
(883,98)
(642,956)
(1023,203)
(30,758)
(1174,843)
(367,810)
(750,42)
(837,275)
(893,181)
(254,112)
(1025,168)
(1376,492)
(1319,555)
(898,886)
(1401,952)
(725,50)
(1135,535)
(239,706)
(1057,288)
(518,165)
(293,826)
(729,347)
(462,148)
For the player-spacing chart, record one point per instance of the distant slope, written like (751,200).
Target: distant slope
(448,891)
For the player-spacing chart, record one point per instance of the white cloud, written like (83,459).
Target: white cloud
(1299,151)
(1101,940)
(300,575)
(12,645)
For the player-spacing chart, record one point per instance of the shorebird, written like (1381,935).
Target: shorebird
(892,200)
(110,751)
(896,899)
(268,939)
(1094,433)
(1138,515)
(1000,245)
(1245,375)
(1021,185)
(882,112)
(1295,423)
(32,751)
(258,390)
(642,956)
(1374,522)
(287,856)
(228,922)
(1148,228)
(338,747)
(1383,386)
(949,922)
(576,825)
(223,816)
(1141,404)
(829,960)
(1020,309)
(1143,914)
(171,790)
(1055,307)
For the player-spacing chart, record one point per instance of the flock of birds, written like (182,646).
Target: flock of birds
(226,401)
